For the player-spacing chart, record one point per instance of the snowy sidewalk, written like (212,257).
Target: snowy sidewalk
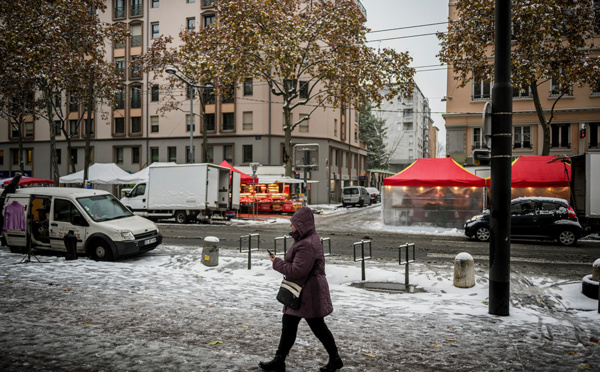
(167,311)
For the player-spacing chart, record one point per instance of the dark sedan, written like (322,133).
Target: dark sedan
(532,218)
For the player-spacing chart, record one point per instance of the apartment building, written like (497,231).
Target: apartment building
(243,128)
(576,112)
(409,127)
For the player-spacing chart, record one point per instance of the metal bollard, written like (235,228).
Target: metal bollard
(285,239)
(407,261)
(362,256)
(250,249)
(328,240)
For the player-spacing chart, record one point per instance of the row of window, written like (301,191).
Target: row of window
(560,136)
(136,7)
(482,90)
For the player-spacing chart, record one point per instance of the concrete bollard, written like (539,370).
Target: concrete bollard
(464,271)
(596,271)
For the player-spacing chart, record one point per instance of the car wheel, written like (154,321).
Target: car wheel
(344,205)
(181,217)
(567,238)
(100,251)
(483,233)
(361,204)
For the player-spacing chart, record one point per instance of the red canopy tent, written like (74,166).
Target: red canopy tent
(244,178)
(435,172)
(538,171)
(28,181)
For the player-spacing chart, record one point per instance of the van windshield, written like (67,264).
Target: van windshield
(104,208)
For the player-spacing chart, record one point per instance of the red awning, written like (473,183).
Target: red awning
(538,171)
(244,178)
(28,181)
(435,172)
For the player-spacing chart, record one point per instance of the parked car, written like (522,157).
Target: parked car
(532,218)
(375,194)
(355,195)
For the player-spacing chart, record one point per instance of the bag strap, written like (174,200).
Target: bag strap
(310,273)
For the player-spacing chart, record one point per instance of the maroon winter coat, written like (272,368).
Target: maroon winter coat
(298,263)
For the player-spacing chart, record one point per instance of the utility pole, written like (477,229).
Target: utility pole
(501,156)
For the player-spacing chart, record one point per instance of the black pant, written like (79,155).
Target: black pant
(317,326)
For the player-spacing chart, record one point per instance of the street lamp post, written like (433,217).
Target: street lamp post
(191,86)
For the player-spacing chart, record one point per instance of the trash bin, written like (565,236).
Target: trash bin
(210,251)
(71,245)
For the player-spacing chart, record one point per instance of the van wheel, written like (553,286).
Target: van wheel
(100,251)
(362,203)
(17,249)
(181,217)
(567,238)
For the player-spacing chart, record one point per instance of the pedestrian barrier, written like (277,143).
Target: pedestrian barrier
(407,261)
(284,239)
(250,249)
(328,240)
(362,255)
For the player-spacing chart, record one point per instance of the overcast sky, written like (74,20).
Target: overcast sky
(393,14)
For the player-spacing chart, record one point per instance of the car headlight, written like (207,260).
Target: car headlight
(127,235)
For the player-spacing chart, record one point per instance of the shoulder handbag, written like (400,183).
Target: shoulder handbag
(290,292)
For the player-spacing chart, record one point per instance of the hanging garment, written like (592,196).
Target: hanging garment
(14,217)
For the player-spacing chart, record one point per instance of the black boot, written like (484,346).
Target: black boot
(275,365)
(333,365)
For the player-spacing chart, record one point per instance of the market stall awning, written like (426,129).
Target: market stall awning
(244,178)
(539,171)
(142,175)
(99,173)
(435,172)
(27,181)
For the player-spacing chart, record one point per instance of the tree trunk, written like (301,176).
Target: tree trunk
(542,118)
(287,147)
(88,127)
(55,175)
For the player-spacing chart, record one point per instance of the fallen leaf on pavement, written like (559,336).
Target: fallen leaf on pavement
(68,289)
(593,340)
(451,339)
(86,324)
(584,366)
(215,342)
(370,355)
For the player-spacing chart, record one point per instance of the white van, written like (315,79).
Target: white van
(40,217)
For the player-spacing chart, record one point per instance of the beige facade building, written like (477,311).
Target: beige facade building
(576,112)
(245,128)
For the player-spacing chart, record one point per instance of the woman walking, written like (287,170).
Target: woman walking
(305,253)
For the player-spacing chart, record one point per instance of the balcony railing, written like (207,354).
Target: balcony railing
(207,3)
(120,12)
(136,10)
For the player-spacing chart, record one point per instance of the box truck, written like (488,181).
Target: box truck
(585,190)
(38,218)
(186,192)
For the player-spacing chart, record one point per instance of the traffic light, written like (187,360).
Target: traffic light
(582,133)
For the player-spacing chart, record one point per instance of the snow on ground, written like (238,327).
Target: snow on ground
(166,310)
